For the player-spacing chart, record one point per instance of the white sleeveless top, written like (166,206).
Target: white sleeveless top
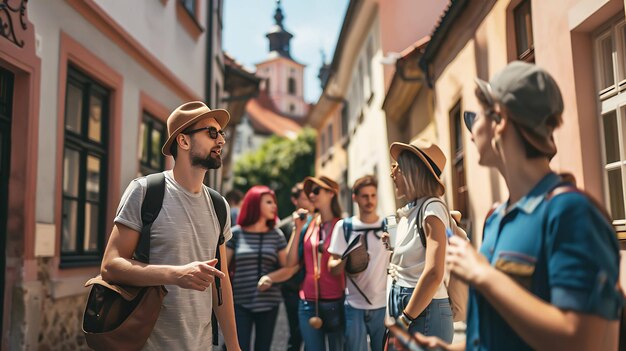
(408,258)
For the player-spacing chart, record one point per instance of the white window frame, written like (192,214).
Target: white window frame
(612,99)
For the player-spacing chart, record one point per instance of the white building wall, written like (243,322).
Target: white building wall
(368,150)
(50,19)
(160,32)
(246,140)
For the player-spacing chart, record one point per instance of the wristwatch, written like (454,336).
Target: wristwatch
(405,319)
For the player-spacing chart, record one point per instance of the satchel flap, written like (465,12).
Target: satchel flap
(129,293)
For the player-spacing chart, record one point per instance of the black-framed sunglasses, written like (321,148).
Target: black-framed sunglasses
(213,132)
(316,190)
(469,118)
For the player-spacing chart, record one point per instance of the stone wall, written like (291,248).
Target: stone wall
(61,324)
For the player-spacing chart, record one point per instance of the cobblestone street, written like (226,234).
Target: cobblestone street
(281,332)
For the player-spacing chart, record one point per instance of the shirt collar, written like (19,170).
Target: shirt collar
(531,201)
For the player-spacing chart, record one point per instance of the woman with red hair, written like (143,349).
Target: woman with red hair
(257,251)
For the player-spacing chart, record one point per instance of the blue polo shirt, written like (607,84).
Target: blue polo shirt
(561,249)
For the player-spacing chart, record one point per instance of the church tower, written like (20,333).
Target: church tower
(283,76)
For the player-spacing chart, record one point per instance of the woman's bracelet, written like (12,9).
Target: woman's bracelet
(405,319)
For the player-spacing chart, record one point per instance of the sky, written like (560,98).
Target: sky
(315,25)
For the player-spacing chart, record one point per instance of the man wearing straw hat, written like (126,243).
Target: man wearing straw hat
(183,238)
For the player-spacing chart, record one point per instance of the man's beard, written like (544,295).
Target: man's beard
(207,162)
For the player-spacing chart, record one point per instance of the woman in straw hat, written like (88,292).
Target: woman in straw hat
(321,311)
(258,253)
(418,297)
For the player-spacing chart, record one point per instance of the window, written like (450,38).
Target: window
(191,7)
(345,110)
(610,59)
(217,96)
(524,32)
(329,137)
(84,170)
(460,197)
(346,194)
(370,59)
(152,132)
(292,108)
(291,86)
(361,73)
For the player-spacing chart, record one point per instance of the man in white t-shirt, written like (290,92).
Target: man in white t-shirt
(365,292)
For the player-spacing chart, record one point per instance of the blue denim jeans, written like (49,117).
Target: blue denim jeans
(263,323)
(435,320)
(360,323)
(315,339)
(292,300)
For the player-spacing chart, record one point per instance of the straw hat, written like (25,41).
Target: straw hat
(188,114)
(429,153)
(322,182)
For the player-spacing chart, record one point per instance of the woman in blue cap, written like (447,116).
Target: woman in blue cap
(546,275)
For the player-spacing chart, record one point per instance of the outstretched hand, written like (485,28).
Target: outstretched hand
(197,275)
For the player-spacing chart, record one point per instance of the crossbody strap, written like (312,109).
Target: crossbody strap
(358,289)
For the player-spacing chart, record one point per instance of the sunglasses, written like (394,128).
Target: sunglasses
(469,117)
(316,190)
(213,132)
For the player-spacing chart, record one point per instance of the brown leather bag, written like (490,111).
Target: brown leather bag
(121,317)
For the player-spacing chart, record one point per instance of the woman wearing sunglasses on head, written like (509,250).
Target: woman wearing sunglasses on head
(418,297)
(257,251)
(321,293)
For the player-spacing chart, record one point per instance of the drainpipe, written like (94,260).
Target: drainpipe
(212,174)
(209,55)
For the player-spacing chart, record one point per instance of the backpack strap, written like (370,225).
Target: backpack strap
(150,208)
(301,242)
(420,217)
(220,209)
(567,187)
(347,228)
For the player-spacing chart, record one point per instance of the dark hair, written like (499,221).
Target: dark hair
(367,180)
(296,190)
(335,207)
(174,149)
(234,196)
(250,211)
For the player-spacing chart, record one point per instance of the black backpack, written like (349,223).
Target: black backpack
(150,208)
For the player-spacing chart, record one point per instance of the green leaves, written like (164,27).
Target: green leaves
(279,163)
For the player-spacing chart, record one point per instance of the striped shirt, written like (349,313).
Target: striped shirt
(255,254)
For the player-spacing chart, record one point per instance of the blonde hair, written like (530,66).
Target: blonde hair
(418,178)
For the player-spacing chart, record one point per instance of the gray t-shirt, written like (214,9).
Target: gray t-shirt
(186,230)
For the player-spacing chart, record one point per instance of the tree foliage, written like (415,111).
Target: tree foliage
(279,163)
